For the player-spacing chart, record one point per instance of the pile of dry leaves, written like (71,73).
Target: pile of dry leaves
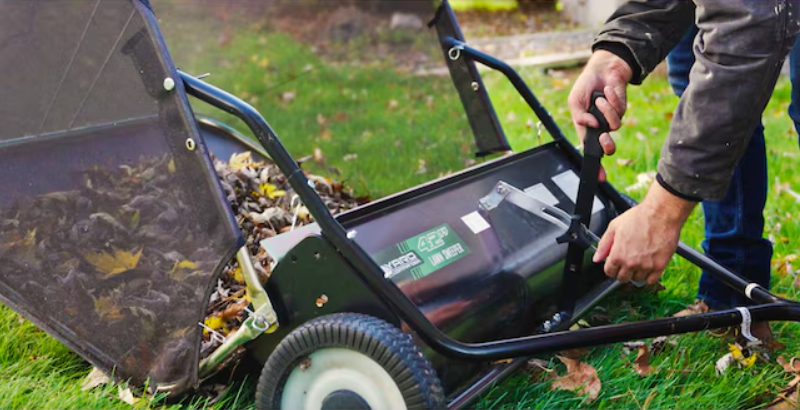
(265,205)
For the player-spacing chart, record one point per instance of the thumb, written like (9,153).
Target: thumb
(604,246)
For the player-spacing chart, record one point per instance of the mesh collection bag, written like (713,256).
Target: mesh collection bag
(113,225)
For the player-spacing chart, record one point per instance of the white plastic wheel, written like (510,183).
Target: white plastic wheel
(336,369)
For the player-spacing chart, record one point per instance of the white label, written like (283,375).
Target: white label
(540,192)
(569,182)
(475,222)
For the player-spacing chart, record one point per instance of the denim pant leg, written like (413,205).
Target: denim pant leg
(734,225)
(794,71)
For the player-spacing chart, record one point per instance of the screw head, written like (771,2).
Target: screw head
(169,84)
(190,144)
(475,86)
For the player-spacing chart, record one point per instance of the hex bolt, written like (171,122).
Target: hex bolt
(475,86)
(169,84)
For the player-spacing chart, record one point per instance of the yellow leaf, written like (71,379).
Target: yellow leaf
(120,261)
(171,166)
(180,269)
(241,160)
(185,265)
(236,274)
(107,308)
(271,191)
(215,323)
(739,356)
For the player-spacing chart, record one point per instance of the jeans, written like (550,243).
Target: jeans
(734,225)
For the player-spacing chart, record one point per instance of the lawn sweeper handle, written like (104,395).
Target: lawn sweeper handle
(582,215)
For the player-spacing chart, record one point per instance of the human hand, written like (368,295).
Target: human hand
(638,244)
(609,73)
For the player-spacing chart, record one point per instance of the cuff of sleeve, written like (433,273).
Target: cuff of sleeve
(623,52)
(673,191)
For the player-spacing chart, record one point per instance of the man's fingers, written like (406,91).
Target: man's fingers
(585,119)
(604,246)
(609,147)
(615,100)
(654,277)
(609,112)
(625,274)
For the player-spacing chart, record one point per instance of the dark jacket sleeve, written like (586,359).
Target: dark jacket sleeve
(739,50)
(643,32)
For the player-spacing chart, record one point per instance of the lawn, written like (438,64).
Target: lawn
(381,131)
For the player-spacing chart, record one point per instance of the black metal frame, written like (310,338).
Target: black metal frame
(770,307)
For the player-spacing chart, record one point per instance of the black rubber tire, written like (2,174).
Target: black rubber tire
(379,340)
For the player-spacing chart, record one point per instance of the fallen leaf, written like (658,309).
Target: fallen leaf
(106,308)
(95,378)
(624,162)
(642,361)
(271,191)
(574,353)
(698,307)
(422,167)
(233,310)
(318,155)
(288,96)
(171,166)
(215,323)
(724,363)
(242,160)
(126,395)
(740,357)
(785,265)
(113,264)
(628,347)
(580,377)
(393,104)
(790,366)
(643,181)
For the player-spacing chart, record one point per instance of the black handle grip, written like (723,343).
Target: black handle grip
(591,143)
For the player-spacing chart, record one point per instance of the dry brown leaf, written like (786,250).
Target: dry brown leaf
(233,310)
(95,378)
(580,378)
(695,308)
(574,353)
(642,361)
(791,365)
(113,264)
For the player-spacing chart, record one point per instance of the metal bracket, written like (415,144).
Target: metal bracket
(262,320)
(574,230)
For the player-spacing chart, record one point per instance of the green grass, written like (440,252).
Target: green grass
(427,125)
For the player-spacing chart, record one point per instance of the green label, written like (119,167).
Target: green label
(421,255)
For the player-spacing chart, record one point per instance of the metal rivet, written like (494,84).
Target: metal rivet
(322,300)
(190,145)
(475,86)
(169,84)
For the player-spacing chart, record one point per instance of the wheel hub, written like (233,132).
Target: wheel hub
(344,399)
